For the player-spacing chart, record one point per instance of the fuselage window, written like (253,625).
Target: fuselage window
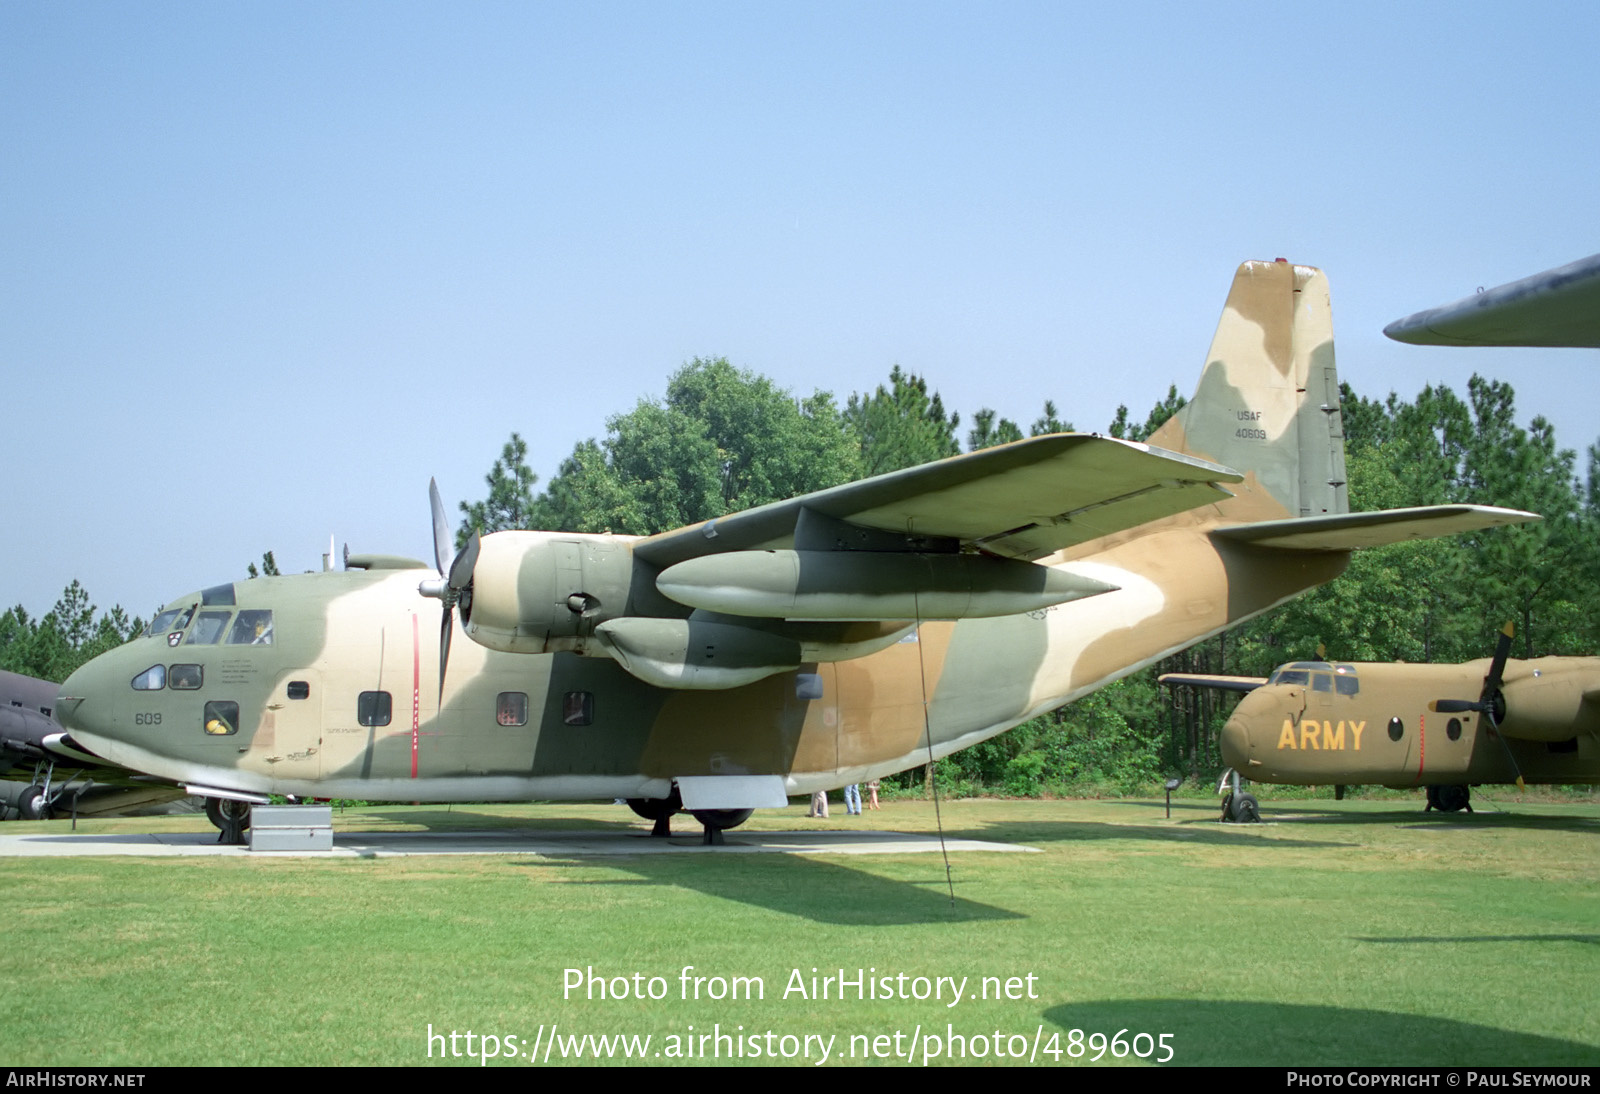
(511,708)
(299,689)
(577,708)
(252,628)
(374,708)
(153,678)
(221,718)
(208,629)
(1453,730)
(1397,729)
(185,677)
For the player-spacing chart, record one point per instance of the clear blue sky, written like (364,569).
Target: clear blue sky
(269,266)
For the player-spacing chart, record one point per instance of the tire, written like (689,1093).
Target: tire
(225,811)
(32,804)
(1246,810)
(722,818)
(654,809)
(1452,799)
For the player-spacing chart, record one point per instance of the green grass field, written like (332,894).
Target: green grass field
(1336,933)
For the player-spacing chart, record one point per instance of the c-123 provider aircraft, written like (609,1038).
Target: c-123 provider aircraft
(800,646)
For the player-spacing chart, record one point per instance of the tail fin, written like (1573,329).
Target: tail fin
(1268,401)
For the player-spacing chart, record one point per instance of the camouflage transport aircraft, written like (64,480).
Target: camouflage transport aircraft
(1443,727)
(799,646)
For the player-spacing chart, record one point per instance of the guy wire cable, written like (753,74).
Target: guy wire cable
(927,729)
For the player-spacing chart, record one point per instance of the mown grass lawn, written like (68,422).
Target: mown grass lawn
(1358,932)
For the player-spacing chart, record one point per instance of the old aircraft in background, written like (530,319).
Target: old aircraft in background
(1559,307)
(803,645)
(33,746)
(1443,727)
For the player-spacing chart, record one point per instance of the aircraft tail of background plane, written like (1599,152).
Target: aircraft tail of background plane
(1268,400)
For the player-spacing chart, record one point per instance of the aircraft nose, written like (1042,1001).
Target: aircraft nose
(1235,744)
(76,703)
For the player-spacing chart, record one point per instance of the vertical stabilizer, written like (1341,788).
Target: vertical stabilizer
(1268,401)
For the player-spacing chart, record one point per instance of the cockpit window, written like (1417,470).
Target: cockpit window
(185,677)
(1346,685)
(252,628)
(1290,676)
(218,594)
(208,629)
(1321,681)
(153,678)
(162,623)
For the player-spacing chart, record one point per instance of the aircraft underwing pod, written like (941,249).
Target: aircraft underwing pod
(849,585)
(695,654)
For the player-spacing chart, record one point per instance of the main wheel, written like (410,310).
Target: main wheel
(231,817)
(1453,799)
(654,809)
(722,818)
(1246,810)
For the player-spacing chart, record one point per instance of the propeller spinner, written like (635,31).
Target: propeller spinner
(453,586)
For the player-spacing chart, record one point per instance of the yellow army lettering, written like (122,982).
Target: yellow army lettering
(1321,736)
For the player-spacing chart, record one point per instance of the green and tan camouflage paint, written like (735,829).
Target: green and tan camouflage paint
(891,693)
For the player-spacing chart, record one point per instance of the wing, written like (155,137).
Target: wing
(1219,683)
(1021,500)
(1559,307)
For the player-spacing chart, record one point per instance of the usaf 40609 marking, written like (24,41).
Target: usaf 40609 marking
(799,646)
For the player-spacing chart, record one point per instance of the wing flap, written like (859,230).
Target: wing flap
(1349,531)
(1022,500)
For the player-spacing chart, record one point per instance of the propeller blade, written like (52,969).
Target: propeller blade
(446,625)
(1497,668)
(1455,706)
(461,568)
(441,528)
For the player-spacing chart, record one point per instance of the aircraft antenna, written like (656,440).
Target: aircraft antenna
(927,730)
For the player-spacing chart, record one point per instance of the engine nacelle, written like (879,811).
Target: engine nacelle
(538,592)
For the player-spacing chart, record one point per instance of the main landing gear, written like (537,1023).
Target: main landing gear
(713,821)
(1449,799)
(231,818)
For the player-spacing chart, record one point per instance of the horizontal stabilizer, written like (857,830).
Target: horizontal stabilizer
(1348,531)
(1201,680)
